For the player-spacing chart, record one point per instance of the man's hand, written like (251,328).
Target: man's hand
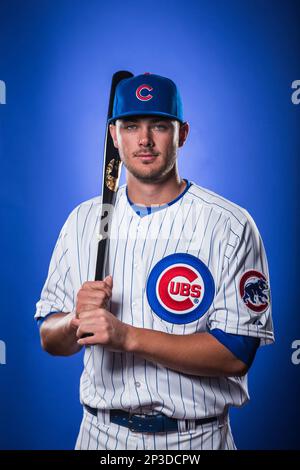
(94,323)
(107,330)
(94,294)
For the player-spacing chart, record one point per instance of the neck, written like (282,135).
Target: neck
(157,193)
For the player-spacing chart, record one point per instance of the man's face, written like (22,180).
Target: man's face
(147,146)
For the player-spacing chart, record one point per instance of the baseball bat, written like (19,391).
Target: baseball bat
(110,181)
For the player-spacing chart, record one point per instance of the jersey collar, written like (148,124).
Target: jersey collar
(142,210)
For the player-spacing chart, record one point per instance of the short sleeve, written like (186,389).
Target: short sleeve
(242,303)
(57,294)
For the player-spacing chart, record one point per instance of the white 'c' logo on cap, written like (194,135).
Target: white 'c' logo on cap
(142,97)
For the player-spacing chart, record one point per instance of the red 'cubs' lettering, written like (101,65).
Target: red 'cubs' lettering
(185,289)
(196,291)
(174,288)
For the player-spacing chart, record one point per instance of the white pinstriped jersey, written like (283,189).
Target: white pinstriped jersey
(199,224)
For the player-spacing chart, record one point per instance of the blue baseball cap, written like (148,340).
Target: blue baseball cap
(147,94)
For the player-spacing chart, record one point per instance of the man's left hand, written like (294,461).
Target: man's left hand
(107,330)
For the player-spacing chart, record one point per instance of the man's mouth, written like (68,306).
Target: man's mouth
(146,157)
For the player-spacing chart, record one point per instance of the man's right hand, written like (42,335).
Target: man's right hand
(94,294)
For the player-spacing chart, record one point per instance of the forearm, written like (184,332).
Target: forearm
(196,354)
(58,335)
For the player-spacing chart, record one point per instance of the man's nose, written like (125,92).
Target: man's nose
(145,137)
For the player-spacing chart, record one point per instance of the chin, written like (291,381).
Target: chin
(149,173)
(145,174)
(147,178)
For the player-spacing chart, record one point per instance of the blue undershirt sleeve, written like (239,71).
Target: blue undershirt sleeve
(243,347)
(40,320)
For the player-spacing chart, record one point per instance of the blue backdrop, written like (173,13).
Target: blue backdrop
(235,63)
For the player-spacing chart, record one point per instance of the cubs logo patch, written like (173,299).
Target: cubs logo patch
(141,94)
(180,288)
(254,291)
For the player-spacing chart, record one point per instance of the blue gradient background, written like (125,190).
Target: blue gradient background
(234,64)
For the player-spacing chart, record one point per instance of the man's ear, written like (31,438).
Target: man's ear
(183,133)
(113,133)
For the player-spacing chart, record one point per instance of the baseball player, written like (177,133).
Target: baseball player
(173,328)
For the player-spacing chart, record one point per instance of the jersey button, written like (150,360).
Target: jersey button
(137,384)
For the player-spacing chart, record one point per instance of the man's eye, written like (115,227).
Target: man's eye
(161,127)
(130,126)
